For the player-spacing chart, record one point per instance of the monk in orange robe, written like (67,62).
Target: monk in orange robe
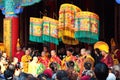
(54,57)
(45,49)
(44,59)
(115,55)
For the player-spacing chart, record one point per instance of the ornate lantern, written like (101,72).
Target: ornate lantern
(87,27)
(67,16)
(36,29)
(50,30)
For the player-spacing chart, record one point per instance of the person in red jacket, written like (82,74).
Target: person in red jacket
(54,57)
(44,59)
(107,59)
(19,54)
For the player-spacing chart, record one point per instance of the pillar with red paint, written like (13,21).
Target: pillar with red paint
(15,27)
(11,26)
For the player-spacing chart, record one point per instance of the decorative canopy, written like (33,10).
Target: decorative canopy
(73,26)
(87,27)
(36,29)
(50,30)
(44,30)
(67,16)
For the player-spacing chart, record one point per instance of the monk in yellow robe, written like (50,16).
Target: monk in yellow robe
(25,61)
(115,53)
(68,58)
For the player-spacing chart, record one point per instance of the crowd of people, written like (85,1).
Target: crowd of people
(28,65)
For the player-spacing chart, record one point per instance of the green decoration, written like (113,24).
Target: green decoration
(40,69)
(50,32)
(35,30)
(87,27)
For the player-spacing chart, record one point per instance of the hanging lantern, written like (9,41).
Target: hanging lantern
(36,30)
(50,30)
(67,16)
(87,27)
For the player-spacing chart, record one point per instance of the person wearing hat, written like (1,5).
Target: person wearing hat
(69,57)
(104,48)
(107,59)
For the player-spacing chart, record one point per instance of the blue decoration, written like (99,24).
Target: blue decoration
(13,7)
(18,10)
(117,1)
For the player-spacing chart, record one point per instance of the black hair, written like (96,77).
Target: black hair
(87,65)
(8,74)
(70,49)
(60,74)
(101,71)
(97,50)
(65,78)
(0,67)
(18,66)
(23,76)
(53,66)
(11,68)
(31,77)
(70,64)
(42,77)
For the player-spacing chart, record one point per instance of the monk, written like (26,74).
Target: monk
(54,57)
(44,59)
(45,49)
(68,58)
(115,55)
(85,57)
(107,59)
(25,61)
(19,54)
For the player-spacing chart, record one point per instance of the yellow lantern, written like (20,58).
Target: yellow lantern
(67,14)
